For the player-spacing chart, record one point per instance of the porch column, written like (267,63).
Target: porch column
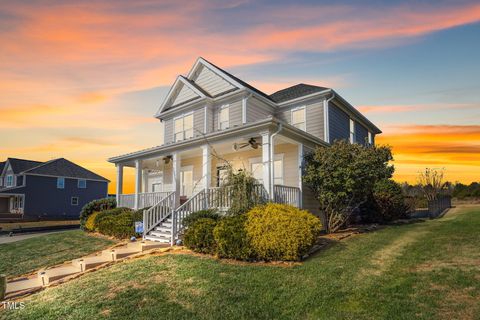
(176,166)
(267,161)
(138,183)
(206,166)
(145,180)
(300,174)
(119,182)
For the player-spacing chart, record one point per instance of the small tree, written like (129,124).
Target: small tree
(343,176)
(240,186)
(431,181)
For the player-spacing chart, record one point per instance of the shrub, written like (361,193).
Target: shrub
(195,216)
(117,225)
(389,201)
(231,238)
(281,232)
(199,236)
(94,206)
(109,213)
(90,223)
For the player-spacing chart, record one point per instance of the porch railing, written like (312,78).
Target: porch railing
(159,212)
(146,199)
(287,195)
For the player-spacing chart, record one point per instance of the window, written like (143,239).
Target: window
(224,117)
(60,183)
(221,175)
(370,138)
(256,166)
(352,131)
(9,181)
(74,201)
(183,127)
(299,118)
(186,181)
(82,184)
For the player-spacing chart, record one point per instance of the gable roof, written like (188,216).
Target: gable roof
(2,165)
(63,168)
(20,165)
(295,91)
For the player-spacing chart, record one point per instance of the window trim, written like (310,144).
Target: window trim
(352,131)
(276,157)
(78,184)
(63,184)
(304,108)
(12,182)
(183,116)
(224,107)
(74,204)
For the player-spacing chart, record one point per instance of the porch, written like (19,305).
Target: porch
(12,204)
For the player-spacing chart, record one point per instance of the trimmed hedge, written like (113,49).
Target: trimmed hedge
(90,223)
(195,216)
(199,236)
(119,225)
(281,232)
(231,238)
(93,206)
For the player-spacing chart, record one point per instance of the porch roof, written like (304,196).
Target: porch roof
(254,127)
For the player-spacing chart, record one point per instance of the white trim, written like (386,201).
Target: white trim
(173,89)
(215,70)
(326,123)
(370,138)
(183,116)
(223,107)
(71,201)
(46,175)
(244,110)
(58,180)
(188,84)
(205,119)
(352,131)
(78,183)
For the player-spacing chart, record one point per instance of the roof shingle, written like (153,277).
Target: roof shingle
(20,165)
(63,168)
(295,91)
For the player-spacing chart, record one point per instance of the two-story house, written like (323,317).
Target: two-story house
(55,189)
(211,117)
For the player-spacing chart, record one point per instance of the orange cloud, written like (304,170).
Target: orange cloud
(418,107)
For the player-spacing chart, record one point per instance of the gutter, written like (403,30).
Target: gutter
(272,167)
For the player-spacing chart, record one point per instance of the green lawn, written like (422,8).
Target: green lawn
(427,270)
(27,255)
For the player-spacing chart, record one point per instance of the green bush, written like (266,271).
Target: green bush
(231,238)
(117,225)
(281,232)
(94,206)
(108,213)
(199,236)
(389,200)
(90,223)
(195,216)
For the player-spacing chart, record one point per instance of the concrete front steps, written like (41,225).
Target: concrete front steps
(47,276)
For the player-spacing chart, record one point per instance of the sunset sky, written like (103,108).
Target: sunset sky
(82,81)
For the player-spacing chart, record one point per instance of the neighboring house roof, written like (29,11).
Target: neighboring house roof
(294,92)
(20,165)
(2,165)
(63,168)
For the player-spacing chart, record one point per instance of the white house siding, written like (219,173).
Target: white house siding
(183,95)
(209,120)
(257,110)
(198,124)
(211,82)
(168,127)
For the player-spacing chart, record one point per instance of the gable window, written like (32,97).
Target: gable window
(183,127)
(370,138)
(74,201)
(82,184)
(352,131)
(60,183)
(299,118)
(9,181)
(224,117)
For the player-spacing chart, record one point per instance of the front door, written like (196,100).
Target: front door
(186,181)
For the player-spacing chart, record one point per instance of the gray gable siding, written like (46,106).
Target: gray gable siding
(361,134)
(257,110)
(339,123)
(198,125)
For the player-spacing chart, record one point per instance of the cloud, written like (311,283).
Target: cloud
(417,107)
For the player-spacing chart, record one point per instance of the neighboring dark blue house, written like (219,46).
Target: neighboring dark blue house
(56,189)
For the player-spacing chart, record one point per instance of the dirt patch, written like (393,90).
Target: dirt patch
(385,257)
(459,264)
(458,303)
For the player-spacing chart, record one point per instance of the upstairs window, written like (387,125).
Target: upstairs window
(299,118)
(224,117)
(183,127)
(82,184)
(9,181)
(60,183)
(352,131)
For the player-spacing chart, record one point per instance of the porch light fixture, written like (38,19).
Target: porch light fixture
(251,142)
(167,159)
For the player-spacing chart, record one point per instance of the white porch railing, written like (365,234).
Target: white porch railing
(159,212)
(147,199)
(287,195)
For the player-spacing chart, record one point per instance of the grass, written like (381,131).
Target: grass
(28,255)
(425,270)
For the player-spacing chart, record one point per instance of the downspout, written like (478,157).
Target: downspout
(272,167)
(326,118)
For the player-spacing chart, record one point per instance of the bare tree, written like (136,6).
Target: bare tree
(431,181)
